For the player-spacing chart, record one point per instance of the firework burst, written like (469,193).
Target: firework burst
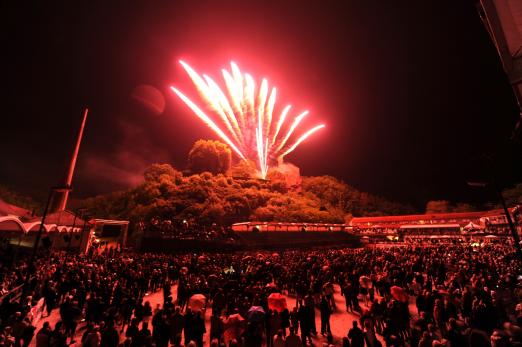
(245,116)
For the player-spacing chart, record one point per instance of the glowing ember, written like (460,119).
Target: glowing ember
(247,118)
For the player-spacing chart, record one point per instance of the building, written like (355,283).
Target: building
(459,225)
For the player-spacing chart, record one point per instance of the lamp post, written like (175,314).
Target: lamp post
(65,188)
(511,224)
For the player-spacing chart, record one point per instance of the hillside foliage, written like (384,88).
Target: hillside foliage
(217,198)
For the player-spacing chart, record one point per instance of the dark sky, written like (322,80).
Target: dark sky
(412,93)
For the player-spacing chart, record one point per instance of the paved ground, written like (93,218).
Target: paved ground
(341,320)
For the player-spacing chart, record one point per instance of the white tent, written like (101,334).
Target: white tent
(473,226)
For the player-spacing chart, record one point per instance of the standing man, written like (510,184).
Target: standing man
(304,323)
(199,328)
(310,306)
(356,335)
(325,315)
(176,323)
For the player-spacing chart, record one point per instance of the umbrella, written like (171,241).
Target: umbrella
(256,314)
(399,294)
(202,258)
(491,237)
(277,302)
(473,226)
(365,282)
(326,268)
(234,319)
(197,302)
(184,270)
(275,255)
(233,327)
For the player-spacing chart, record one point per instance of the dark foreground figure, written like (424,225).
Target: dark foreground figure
(409,296)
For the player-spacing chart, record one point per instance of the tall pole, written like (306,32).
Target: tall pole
(72,164)
(493,181)
(31,266)
(59,201)
(40,230)
(514,234)
(510,221)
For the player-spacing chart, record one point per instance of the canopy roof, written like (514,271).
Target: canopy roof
(64,217)
(62,221)
(7,209)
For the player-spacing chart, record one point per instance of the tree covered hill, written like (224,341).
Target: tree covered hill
(167,193)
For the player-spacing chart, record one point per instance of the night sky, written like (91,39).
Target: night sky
(412,93)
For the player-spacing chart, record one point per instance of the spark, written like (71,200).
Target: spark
(280,122)
(207,121)
(301,139)
(295,124)
(247,117)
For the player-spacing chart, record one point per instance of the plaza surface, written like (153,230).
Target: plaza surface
(340,321)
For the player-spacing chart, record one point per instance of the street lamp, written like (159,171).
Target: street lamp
(511,224)
(66,188)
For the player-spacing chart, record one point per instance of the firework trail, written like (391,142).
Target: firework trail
(249,125)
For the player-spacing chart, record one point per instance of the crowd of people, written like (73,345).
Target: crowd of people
(451,295)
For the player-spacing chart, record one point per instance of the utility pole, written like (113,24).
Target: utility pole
(40,231)
(511,223)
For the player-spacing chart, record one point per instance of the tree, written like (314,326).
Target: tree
(155,171)
(243,169)
(438,206)
(444,206)
(513,195)
(19,200)
(209,155)
(327,188)
(277,181)
(463,207)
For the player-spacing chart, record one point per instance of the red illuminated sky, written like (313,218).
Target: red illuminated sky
(411,92)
